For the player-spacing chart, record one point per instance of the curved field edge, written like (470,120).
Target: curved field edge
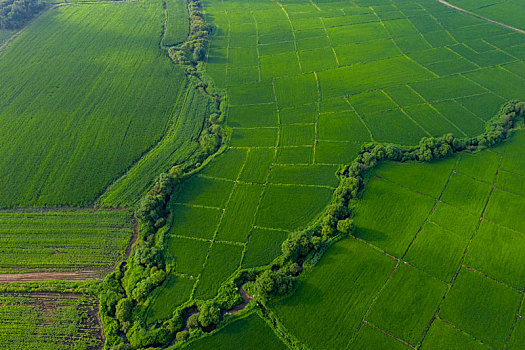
(305,248)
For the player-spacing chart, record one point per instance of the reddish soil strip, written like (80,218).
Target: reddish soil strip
(50,276)
(481,17)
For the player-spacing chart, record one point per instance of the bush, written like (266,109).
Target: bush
(345,226)
(182,336)
(209,313)
(193,321)
(272,283)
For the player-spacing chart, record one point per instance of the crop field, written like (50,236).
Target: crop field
(248,333)
(76,114)
(446,260)
(48,321)
(307,84)
(63,239)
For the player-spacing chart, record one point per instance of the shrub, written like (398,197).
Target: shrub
(209,313)
(193,321)
(182,336)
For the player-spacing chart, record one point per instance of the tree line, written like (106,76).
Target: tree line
(15,13)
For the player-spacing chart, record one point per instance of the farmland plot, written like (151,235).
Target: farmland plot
(458,279)
(75,113)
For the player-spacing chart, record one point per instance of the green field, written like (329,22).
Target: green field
(63,239)
(458,279)
(92,110)
(48,321)
(76,114)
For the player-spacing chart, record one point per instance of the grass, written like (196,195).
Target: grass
(335,295)
(321,175)
(253,116)
(234,158)
(257,165)
(343,126)
(203,191)
(62,239)
(177,24)
(505,208)
(247,333)
(466,193)
(368,337)
(336,152)
(83,108)
(445,336)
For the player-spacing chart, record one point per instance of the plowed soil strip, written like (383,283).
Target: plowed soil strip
(51,276)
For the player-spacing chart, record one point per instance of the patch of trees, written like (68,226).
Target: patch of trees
(15,13)
(193,50)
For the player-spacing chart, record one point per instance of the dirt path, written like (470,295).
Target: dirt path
(83,275)
(481,17)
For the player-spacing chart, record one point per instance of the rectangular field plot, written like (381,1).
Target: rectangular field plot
(276,48)
(194,221)
(371,338)
(243,75)
(337,293)
(443,336)
(512,150)
(466,193)
(291,207)
(461,117)
(455,220)
(280,65)
(295,155)
(343,126)
(249,94)
(481,166)
(247,333)
(447,88)
(187,254)
(404,96)
(263,246)
(371,102)
(202,191)
(432,121)
(298,115)
(370,76)
(49,321)
(297,135)
(327,152)
(407,304)
(227,165)
(481,307)
(427,178)
(390,216)
(239,215)
(63,238)
(295,91)
(256,137)
(366,51)
(498,253)
(317,60)
(484,106)
(518,335)
(394,126)
(511,182)
(506,209)
(257,165)
(437,251)
(222,261)
(321,175)
(356,33)
(175,291)
(499,81)
(253,116)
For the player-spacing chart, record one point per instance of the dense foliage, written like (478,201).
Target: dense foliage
(15,13)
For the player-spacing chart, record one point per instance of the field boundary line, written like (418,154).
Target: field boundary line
(515,321)
(454,278)
(294,37)
(451,325)
(258,51)
(361,119)
(404,112)
(388,334)
(481,17)
(482,274)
